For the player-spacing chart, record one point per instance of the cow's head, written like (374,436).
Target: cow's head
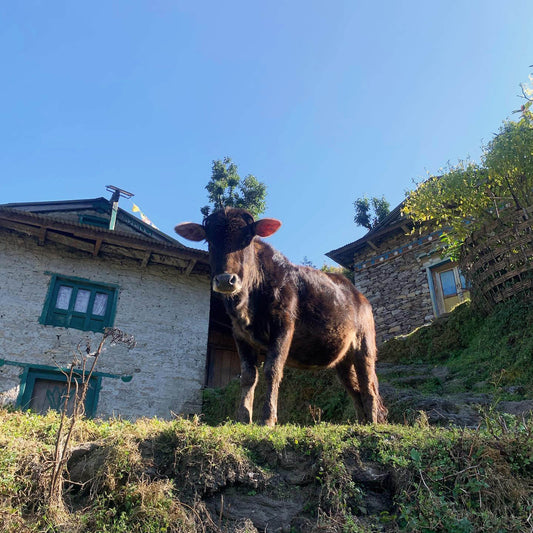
(229,233)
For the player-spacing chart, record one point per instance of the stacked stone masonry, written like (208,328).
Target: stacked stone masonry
(398,287)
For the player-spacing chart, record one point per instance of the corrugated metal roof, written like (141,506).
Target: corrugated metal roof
(47,214)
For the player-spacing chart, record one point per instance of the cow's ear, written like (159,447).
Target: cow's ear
(266,227)
(190,231)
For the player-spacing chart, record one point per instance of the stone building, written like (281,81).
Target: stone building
(403,274)
(68,270)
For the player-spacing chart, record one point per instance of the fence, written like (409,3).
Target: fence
(498,258)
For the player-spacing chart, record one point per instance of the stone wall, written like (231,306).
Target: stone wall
(397,286)
(167,312)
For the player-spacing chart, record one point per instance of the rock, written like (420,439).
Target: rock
(519,408)
(86,462)
(441,373)
(459,409)
(516,389)
(266,513)
(294,471)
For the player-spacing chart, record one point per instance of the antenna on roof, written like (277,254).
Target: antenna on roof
(117,194)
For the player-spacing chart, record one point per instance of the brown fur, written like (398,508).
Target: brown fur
(297,315)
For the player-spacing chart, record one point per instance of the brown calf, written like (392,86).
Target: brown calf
(296,314)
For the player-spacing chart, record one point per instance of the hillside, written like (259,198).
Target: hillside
(185,476)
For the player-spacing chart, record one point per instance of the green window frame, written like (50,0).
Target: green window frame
(52,397)
(80,304)
(92,220)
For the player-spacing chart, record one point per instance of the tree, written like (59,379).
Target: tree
(227,189)
(370,212)
(468,194)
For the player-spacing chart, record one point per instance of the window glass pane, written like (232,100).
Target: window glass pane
(82,301)
(464,285)
(447,280)
(100,304)
(63,297)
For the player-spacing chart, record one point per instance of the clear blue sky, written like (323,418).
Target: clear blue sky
(322,101)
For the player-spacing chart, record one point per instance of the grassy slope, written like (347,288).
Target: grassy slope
(157,476)
(496,349)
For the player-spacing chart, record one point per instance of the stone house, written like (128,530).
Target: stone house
(403,274)
(68,269)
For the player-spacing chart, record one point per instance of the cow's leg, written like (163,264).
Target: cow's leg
(365,366)
(348,377)
(249,375)
(274,364)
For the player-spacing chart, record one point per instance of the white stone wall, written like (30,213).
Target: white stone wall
(167,312)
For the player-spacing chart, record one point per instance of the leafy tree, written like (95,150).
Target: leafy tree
(469,194)
(370,212)
(338,270)
(330,268)
(227,189)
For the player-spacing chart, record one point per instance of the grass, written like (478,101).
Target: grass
(482,350)
(153,475)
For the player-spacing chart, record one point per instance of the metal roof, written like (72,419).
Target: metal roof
(44,221)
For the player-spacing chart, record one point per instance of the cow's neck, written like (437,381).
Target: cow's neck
(255,280)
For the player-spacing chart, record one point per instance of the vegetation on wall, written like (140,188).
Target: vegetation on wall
(494,350)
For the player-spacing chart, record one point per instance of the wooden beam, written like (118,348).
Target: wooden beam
(23,222)
(146,259)
(41,237)
(190,266)
(71,242)
(97,246)
(372,245)
(98,243)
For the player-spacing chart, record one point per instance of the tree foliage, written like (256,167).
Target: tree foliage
(227,189)
(370,212)
(468,194)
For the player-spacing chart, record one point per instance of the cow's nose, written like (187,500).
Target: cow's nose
(226,283)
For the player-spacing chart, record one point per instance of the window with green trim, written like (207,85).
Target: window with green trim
(79,304)
(92,220)
(45,390)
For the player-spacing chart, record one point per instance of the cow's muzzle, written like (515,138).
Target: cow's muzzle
(227,283)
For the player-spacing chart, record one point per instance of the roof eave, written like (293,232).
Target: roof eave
(91,239)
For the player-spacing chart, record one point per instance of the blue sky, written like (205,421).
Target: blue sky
(322,101)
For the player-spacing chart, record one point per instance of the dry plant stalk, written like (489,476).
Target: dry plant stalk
(80,387)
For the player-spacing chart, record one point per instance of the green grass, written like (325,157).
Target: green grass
(495,350)
(154,476)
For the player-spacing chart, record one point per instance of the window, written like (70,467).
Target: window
(447,285)
(92,220)
(79,304)
(47,389)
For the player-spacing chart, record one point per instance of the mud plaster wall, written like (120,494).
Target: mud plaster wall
(398,287)
(166,311)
